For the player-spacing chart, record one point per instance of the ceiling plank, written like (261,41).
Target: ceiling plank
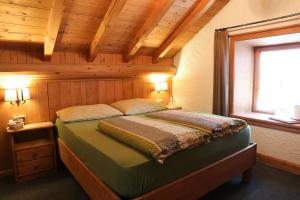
(45,4)
(160,9)
(112,13)
(56,14)
(198,9)
(21,37)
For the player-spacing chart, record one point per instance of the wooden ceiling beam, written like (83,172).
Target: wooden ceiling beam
(198,9)
(160,9)
(112,13)
(56,14)
(86,70)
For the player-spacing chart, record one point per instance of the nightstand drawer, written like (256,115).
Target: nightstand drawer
(32,154)
(35,166)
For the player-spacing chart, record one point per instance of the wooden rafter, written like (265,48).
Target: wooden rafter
(112,13)
(54,21)
(85,70)
(160,9)
(198,9)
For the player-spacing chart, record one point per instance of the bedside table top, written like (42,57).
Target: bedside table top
(29,127)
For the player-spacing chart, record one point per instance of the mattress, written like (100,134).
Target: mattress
(130,173)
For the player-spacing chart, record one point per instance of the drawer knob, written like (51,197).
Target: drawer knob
(34,155)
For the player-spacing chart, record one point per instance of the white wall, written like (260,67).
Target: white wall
(193,84)
(243,77)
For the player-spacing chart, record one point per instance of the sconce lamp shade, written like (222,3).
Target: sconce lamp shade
(161,86)
(11,95)
(23,94)
(17,95)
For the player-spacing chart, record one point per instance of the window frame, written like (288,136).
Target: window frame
(257,119)
(256,73)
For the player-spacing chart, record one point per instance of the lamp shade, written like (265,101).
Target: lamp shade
(161,86)
(11,95)
(23,94)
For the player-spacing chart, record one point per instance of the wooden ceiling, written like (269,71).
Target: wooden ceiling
(130,27)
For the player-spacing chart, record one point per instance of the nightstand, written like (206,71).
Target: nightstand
(33,151)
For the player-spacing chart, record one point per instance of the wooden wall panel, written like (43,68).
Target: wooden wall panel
(47,97)
(39,96)
(138,88)
(74,64)
(71,93)
(92,88)
(33,55)
(127,89)
(119,93)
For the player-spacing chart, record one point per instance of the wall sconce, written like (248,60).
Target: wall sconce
(161,86)
(17,95)
(11,95)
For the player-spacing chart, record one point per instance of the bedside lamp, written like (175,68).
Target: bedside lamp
(17,95)
(161,86)
(11,95)
(23,94)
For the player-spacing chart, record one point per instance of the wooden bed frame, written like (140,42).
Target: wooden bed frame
(191,186)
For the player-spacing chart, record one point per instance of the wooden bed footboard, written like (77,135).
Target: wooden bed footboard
(94,187)
(191,186)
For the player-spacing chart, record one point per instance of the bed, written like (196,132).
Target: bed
(109,169)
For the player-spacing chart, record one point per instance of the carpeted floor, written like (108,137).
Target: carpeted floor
(268,183)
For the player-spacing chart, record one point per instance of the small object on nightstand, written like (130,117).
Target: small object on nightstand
(20,118)
(33,150)
(172,104)
(15,124)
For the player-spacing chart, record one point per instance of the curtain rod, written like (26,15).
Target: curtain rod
(258,22)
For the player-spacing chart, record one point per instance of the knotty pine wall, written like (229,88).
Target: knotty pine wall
(50,95)
(74,64)
(34,55)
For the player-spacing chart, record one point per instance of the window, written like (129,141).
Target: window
(265,76)
(276,78)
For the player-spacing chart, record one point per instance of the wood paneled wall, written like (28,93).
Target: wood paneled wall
(71,80)
(33,55)
(98,91)
(75,65)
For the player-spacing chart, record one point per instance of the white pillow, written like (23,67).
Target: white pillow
(87,112)
(138,106)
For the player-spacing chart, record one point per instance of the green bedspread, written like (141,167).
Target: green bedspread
(131,173)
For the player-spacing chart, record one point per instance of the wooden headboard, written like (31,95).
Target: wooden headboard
(71,93)
(49,97)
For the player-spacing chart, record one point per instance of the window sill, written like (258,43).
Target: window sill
(260,119)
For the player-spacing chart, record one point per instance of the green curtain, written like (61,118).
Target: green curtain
(221,73)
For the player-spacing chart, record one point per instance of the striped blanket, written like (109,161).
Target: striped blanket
(157,138)
(215,125)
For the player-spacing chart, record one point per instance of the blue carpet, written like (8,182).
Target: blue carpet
(267,183)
